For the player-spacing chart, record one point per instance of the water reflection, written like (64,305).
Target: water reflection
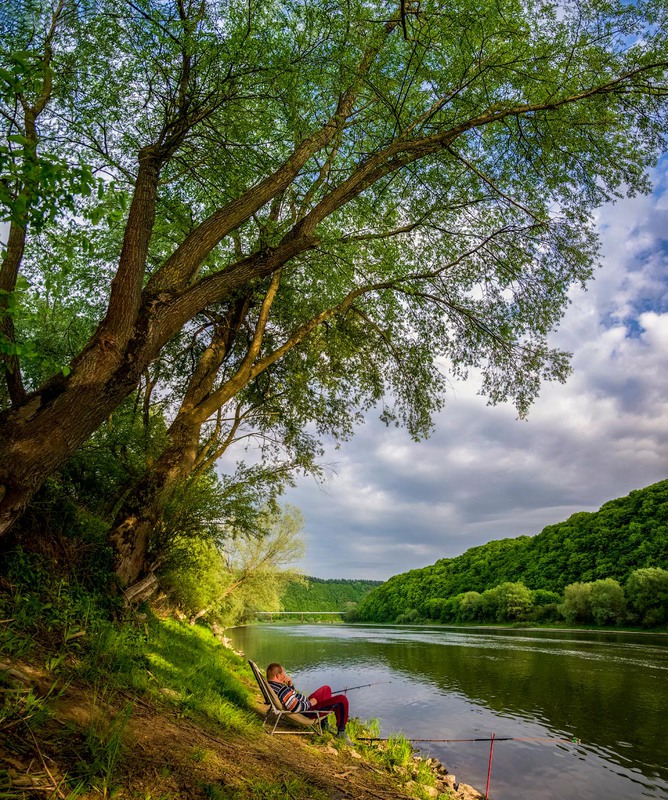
(608,690)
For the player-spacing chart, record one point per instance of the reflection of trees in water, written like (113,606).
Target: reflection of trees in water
(603,702)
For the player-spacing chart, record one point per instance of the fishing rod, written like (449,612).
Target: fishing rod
(363,686)
(481,739)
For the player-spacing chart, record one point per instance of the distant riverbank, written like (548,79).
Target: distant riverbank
(663,630)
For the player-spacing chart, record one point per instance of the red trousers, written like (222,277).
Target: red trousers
(337,703)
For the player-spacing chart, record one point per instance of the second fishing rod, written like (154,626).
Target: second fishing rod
(361,686)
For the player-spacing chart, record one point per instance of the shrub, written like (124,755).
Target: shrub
(514,602)
(409,617)
(577,603)
(541,597)
(469,606)
(647,594)
(547,613)
(444,609)
(607,601)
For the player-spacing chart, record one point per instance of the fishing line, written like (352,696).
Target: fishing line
(481,739)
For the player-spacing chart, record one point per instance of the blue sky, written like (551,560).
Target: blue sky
(391,504)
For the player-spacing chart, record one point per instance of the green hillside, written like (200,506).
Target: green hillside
(318,594)
(626,534)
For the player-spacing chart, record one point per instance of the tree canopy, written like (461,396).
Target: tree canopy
(391,193)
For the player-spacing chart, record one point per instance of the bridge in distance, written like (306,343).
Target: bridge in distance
(302,614)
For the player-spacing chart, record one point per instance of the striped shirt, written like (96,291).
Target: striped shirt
(291,700)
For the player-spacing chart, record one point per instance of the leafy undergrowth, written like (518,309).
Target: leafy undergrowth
(153,709)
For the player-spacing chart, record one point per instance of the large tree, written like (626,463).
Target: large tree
(441,161)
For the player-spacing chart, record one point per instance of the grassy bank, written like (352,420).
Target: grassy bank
(96,702)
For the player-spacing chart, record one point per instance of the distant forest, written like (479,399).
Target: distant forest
(318,594)
(606,567)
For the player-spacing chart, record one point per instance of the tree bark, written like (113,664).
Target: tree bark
(38,435)
(143,508)
(8,275)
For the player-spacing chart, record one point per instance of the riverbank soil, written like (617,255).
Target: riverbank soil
(153,753)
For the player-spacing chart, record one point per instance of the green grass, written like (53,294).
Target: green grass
(103,742)
(80,636)
(78,633)
(201,675)
(399,751)
(397,755)
(85,638)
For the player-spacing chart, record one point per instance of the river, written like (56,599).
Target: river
(608,691)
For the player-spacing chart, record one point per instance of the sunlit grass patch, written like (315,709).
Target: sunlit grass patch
(203,674)
(396,754)
(423,772)
(398,751)
(161,665)
(358,728)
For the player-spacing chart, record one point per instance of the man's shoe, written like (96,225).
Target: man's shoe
(344,737)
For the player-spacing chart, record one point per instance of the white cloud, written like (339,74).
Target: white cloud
(394,504)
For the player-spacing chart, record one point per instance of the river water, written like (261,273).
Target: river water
(608,691)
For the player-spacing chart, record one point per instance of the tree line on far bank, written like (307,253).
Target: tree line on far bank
(602,568)
(643,600)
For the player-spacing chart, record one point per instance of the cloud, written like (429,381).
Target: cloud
(393,504)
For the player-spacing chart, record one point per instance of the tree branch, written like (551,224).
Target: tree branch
(178,269)
(492,185)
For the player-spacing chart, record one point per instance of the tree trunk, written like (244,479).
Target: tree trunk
(142,511)
(8,274)
(38,435)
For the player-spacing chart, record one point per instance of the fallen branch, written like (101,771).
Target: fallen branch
(12,672)
(141,590)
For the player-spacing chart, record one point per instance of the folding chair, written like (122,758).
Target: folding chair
(314,723)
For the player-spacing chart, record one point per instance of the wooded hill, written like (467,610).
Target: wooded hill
(625,535)
(318,594)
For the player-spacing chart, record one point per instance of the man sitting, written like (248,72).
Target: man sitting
(321,699)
